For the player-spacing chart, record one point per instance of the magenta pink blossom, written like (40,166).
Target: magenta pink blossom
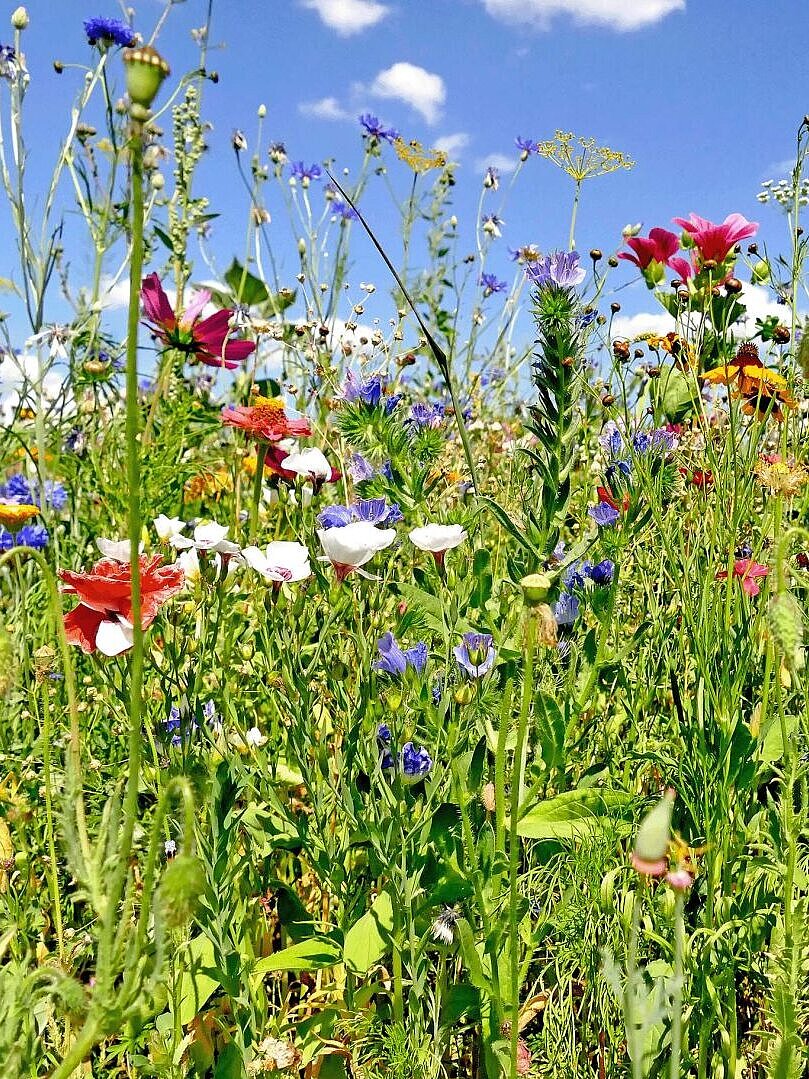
(717,241)
(658,246)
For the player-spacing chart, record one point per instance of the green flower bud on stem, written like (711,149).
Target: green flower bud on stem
(182,884)
(145,71)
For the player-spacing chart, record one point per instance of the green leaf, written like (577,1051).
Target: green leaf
(245,286)
(572,813)
(471,957)
(196,986)
(229,1064)
(369,938)
(313,954)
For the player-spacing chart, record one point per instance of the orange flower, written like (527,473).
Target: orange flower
(265,420)
(14,514)
(761,390)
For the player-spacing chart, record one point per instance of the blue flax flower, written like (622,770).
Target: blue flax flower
(335,517)
(415,764)
(395,660)
(376,511)
(105,32)
(475,654)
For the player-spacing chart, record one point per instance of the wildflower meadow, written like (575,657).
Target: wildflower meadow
(402,665)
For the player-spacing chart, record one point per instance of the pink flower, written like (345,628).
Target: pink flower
(684,268)
(749,572)
(716,241)
(207,339)
(658,246)
(679,879)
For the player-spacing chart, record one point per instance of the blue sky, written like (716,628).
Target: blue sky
(705,95)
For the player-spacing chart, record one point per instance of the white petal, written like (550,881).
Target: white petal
(113,638)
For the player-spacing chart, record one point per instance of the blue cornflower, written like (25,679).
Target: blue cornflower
(76,441)
(491,283)
(374,128)
(585,319)
(18,489)
(566,609)
(55,495)
(360,469)
(475,654)
(492,377)
(342,210)
(604,515)
(415,764)
(335,517)
(602,572)
(561,269)
(106,32)
(6,540)
(491,178)
(299,171)
(395,660)
(35,536)
(383,734)
(525,146)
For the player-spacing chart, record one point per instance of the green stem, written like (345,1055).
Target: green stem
(677,996)
(517,784)
(573,215)
(46,770)
(261,456)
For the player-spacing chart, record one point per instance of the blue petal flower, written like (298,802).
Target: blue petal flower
(475,654)
(335,516)
(604,514)
(108,32)
(415,763)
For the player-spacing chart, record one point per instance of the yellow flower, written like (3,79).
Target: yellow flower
(207,484)
(672,343)
(780,476)
(580,158)
(14,514)
(419,159)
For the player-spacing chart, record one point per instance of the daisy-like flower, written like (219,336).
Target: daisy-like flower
(265,420)
(15,514)
(781,477)
(281,561)
(103,618)
(437,539)
(761,390)
(351,546)
(204,339)
(749,573)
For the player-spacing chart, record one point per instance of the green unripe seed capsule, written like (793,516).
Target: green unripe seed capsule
(145,71)
(182,884)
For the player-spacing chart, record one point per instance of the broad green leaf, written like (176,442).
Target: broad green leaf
(572,813)
(196,987)
(369,938)
(313,954)
(229,1064)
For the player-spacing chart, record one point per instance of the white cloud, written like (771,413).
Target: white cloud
(453,145)
(348,16)
(756,299)
(501,162)
(614,14)
(421,89)
(327,108)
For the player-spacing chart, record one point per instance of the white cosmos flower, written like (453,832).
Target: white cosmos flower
(282,560)
(168,527)
(310,463)
(208,536)
(117,550)
(437,538)
(354,544)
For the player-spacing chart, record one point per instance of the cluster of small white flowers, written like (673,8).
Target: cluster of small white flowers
(783,192)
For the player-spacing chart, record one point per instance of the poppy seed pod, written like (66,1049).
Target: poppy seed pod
(182,884)
(607,400)
(615,307)
(781,335)
(535,588)
(650,856)
(612,261)
(145,71)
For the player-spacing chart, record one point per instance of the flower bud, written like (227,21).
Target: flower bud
(262,111)
(761,272)
(464,693)
(182,884)
(19,18)
(650,856)
(145,71)
(535,588)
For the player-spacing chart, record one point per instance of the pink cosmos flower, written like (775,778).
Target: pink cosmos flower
(658,246)
(206,339)
(749,573)
(717,241)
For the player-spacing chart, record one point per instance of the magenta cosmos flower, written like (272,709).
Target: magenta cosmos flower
(716,241)
(206,339)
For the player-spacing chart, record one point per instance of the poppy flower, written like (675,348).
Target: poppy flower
(715,241)
(265,420)
(759,388)
(749,573)
(205,339)
(103,618)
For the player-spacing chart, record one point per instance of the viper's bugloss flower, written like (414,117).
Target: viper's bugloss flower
(35,536)
(375,129)
(566,609)
(715,241)
(369,391)
(204,339)
(602,572)
(491,283)
(423,414)
(414,764)
(383,734)
(749,573)
(265,420)
(562,269)
(103,618)
(475,654)
(105,32)
(360,469)
(298,171)
(395,660)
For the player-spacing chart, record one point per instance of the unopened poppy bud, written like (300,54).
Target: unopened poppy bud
(487,798)
(145,71)
(650,856)
(180,889)
(535,588)
(19,18)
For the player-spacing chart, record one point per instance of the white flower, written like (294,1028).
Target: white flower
(354,544)
(310,463)
(437,538)
(170,848)
(189,560)
(117,550)
(283,560)
(254,738)
(207,537)
(168,527)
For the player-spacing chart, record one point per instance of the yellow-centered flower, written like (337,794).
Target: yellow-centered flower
(14,514)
